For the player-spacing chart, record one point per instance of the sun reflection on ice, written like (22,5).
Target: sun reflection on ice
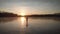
(23,20)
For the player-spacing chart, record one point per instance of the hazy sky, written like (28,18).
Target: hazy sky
(31,6)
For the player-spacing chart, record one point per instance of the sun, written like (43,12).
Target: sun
(23,11)
(22,14)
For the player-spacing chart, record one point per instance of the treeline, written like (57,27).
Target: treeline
(6,14)
(47,15)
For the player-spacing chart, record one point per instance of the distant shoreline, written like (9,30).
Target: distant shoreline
(15,15)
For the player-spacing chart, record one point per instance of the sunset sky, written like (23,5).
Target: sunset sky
(30,6)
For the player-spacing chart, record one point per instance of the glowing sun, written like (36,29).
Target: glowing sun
(23,11)
(22,14)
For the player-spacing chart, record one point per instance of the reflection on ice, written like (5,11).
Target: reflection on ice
(24,21)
